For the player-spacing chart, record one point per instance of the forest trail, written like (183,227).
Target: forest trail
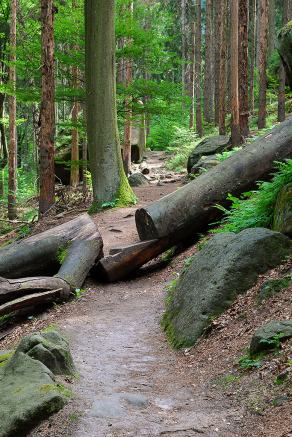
(131,383)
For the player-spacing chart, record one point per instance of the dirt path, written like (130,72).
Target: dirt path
(131,383)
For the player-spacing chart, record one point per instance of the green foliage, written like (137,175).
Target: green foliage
(256,208)
(62,254)
(275,342)
(79,292)
(248,363)
(225,155)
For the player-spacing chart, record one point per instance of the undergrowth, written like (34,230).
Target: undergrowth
(256,208)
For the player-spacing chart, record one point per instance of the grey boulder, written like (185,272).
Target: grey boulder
(51,349)
(28,395)
(204,164)
(209,146)
(229,264)
(269,336)
(138,180)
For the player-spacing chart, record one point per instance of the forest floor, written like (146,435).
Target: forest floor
(130,382)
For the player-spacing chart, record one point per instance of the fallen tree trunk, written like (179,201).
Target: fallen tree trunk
(73,248)
(127,259)
(191,208)
(11,289)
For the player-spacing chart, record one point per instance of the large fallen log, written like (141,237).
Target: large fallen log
(191,208)
(67,251)
(128,259)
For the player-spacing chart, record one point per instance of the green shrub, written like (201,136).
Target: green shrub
(256,208)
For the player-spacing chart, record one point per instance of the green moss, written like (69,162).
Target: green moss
(62,254)
(57,388)
(51,328)
(5,357)
(125,195)
(273,286)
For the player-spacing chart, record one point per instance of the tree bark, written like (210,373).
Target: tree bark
(208,77)
(272,26)
(282,73)
(235,128)
(3,146)
(198,68)
(263,20)
(12,160)
(243,68)
(222,67)
(47,115)
(69,251)
(253,34)
(217,21)
(189,209)
(192,76)
(108,177)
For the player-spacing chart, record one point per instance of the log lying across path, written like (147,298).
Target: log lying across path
(191,208)
(125,260)
(67,252)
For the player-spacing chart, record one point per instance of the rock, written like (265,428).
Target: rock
(268,336)
(4,356)
(209,146)
(51,349)
(273,286)
(138,180)
(228,264)
(28,395)
(283,211)
(204,164)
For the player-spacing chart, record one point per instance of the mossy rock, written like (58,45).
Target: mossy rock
(269,336)
(283,211)
(24,402)
(51,349)
(285,49)
(272,287)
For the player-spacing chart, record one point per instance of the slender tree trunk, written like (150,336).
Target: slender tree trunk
(282,74)
(192,75)
(47,115)
(127,158)
(208,78)
(12,177)
(217,21)
(198,68)
(222,68)
(235,128)
(253,34)
(184,43)
(263,20)
(243,68)
(272,26)
(108,176)
(3,146)
(74,176)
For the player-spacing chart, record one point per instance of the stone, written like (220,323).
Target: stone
(283,211)
(138,180)
(204,164)
(28,395)
(227,265)
(209,146)
(269,336)
(272,287)
(285,50)
(51,349)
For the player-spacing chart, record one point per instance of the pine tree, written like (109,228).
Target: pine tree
(243,68)
(222,68)
(263,20)
(235,128)
(198,68)
(208,76)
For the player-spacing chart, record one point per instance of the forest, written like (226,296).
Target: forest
(145,217)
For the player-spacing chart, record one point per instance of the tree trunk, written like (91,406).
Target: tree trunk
(217,21)
(235,128)
(198,68)
(74,174)
(108,177)
(192,76)
(271,26)
(12,163)
(47,115)
(243,68)
(69,251)
(208,77)
(282,73)
(263,20)
(222,68)
(191,208)
(253,34)
(184,43)
(3,146)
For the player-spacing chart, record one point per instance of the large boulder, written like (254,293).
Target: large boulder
(269,336)
(209,146)
(229,264)
(138,180)
(28,395)
(204,164)
(283,211)
(51,349)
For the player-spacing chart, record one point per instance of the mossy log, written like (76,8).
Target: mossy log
(67,252)
(191,208)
